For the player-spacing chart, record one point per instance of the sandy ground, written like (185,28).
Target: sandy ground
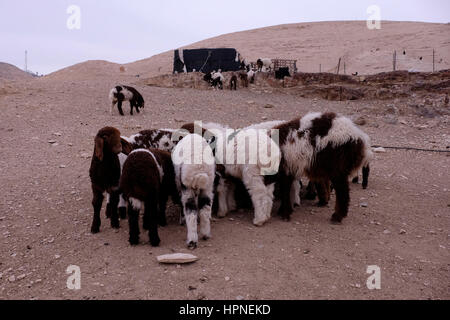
(45,211)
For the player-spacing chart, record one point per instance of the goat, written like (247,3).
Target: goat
(122,93)
(326,148)
(194,166)
(147,181)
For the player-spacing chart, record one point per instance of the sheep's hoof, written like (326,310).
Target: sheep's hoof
(206,237)
(123,213)
(322,204)
(115,224)
(95,229)
(155,242)
(336,219)
(192,245)
(134,241)
(364,187)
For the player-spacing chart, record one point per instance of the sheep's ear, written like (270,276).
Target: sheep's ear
(126,146)
(99,148)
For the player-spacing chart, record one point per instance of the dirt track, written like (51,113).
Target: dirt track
(45,211)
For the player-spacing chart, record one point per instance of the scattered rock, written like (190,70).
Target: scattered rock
(379,150)
(191,288)
(364,205)
(62,166)
(12,278)
(269,106)
(227,278)
(402,231)
(177,258)
(386,231)
(240,298)
(361,121)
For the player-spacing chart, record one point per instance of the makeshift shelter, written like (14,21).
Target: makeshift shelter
(206,60)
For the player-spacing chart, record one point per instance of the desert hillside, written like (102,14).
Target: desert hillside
(322,43)
(10,72)
(312,44)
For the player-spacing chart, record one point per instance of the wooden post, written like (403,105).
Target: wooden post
(320,68)
(339,66)
(395,60)
(344,69)
(433,60)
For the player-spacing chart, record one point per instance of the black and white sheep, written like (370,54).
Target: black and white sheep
(147,180)
(194,166)
(104,173)
(252,162)
(215,79)
(233,82)
(325,148)
(122,93)
(264,64)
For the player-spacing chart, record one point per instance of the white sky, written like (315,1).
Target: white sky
(125,31)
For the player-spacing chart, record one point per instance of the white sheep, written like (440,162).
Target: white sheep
(195,168)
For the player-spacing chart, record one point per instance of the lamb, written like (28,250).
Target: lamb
(254,163)
(251,76)
(104,173)
(147,180)
(217,80)
(162,139)
(264,64)
(194,166)
(244,79)
(326,148)
(233,82)
(118,94)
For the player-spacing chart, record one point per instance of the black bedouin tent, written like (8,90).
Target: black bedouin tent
(206,60)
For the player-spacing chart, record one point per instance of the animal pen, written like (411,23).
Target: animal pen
(283,63)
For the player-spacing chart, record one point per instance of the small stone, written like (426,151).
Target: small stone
(22,276)
(379,150)
(12,278)
(62,166)
(364,205)
(227,278)
(57,256)
(191,288)
(240,298)
(386,231)
(269,106)
(361,121)
(57,134)
(177,258)
(52,141)
(402,231)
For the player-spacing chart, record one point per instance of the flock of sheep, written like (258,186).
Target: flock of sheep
(210,167)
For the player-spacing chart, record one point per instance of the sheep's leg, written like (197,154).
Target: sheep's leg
(222,193)
(231,200)
(112,208)
(122,208)
(342,198)
(119,106)
(204,205)
(295,193)
(151,212)
(97,202)
(190,213)
(366,171)
(162,209)
(131,107)
(286,208)
(323,192)
(311,193)
(112,107)
(262,197)
(133,222)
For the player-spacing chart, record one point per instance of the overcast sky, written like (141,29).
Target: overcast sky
(125,31)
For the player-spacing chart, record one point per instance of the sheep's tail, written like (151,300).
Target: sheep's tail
(200,181)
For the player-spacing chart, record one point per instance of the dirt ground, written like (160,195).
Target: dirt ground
(401,223)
